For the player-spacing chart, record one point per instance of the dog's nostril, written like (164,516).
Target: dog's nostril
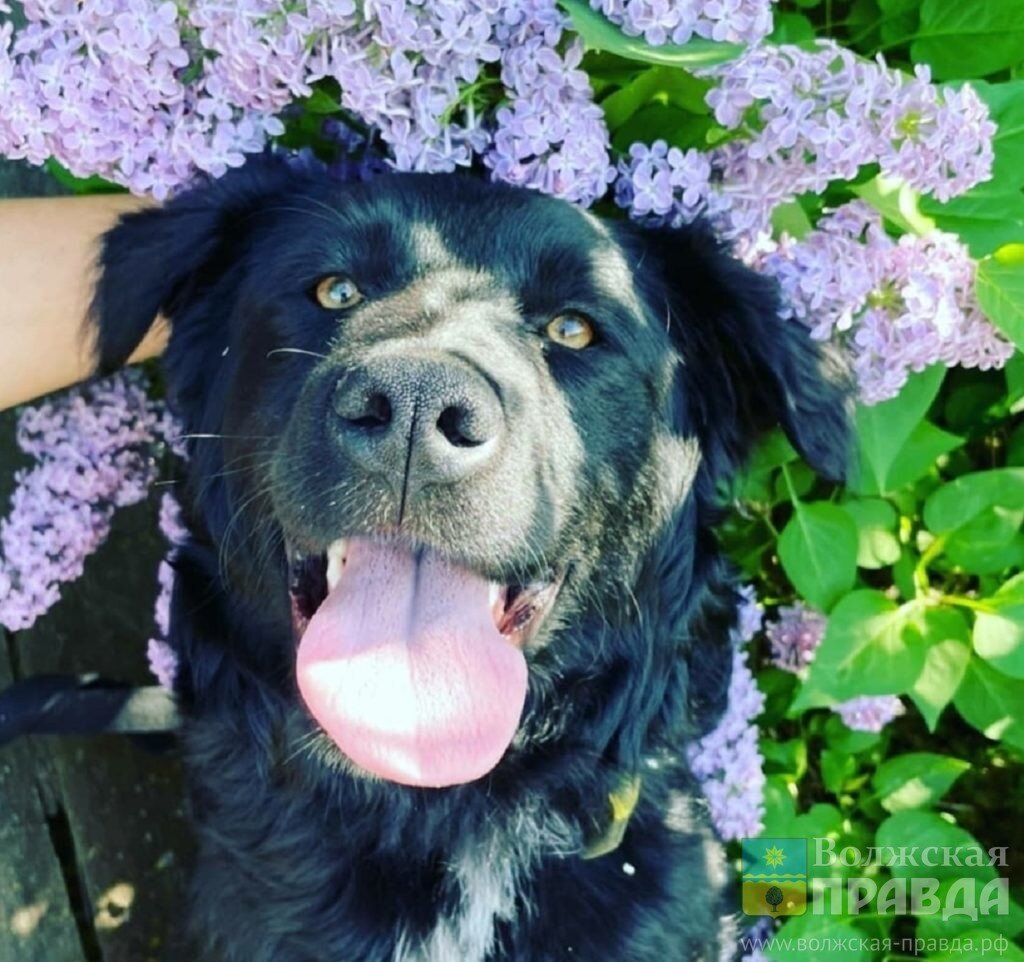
(376,412)
(459,428)
(370,410)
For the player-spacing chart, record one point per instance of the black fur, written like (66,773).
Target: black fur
(303,860)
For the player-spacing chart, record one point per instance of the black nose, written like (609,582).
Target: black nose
(418,420)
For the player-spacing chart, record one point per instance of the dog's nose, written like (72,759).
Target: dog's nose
(418,420)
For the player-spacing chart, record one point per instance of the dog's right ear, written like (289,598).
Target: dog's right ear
(153,261)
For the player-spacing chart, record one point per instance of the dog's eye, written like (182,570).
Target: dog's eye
(571,330)
(337,292)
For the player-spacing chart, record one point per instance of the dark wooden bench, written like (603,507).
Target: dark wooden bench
(94,844)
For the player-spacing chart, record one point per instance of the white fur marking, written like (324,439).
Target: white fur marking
(488,893)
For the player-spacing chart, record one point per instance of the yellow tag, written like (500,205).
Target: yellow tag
(622,802)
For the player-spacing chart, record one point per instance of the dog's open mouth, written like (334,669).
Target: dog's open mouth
(413,665)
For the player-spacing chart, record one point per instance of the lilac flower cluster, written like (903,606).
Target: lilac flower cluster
(101,87)
(806,118)
(661,21)
(146,92)
(898,305)
(163,660)
(870,713)
(94,452)
(795,637)
(550,136)
(727,761)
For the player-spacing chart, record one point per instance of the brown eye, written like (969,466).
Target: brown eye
(336,292)
(571,330)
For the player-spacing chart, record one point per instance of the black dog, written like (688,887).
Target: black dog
(452,597)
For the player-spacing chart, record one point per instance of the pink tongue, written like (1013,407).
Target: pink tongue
(404,668)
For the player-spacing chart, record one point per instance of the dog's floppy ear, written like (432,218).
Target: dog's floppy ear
(152,259)
(746,367)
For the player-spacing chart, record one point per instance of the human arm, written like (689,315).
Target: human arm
(47,251)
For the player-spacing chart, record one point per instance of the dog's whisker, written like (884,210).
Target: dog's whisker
(210,435)
(296,350)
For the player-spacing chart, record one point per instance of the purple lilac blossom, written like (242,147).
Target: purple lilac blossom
(795,638)
(551,136)
(677,21)
(727,761)
(163,660)
(897,305)
(870,713)
(820,115)
(146,93)
(101,88)
(810,117)
(94,452)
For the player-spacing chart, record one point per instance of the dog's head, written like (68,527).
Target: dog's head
(454,442)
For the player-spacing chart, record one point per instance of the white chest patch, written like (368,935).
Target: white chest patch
(487,893)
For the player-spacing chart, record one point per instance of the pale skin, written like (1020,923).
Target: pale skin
(48,250)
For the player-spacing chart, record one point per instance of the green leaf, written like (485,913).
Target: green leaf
(988,543)
(993,703)
(917,780)
(818,551)
(999,286)
(985,218)
(792,219)
(81,185)
(897,202)
(935,926)
(836,769)
(944,666)
(900,20)
(969,38)
(924,447)
(873,647)
(678,128)
(771,451)
(876,520)
(883,429)
(848,740)
(1015,447)
(792,28)
(961,501)
(779,809)
(976,945)
(599,33)
(663,85)
(320,102)
(819,821)
(927,830)
(999,635)
(1006,105)
(818,938)
(788,758)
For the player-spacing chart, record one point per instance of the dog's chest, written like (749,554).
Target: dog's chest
(487,894)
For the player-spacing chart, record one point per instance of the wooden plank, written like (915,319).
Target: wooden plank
(37,923)
(93,827)
(124,806)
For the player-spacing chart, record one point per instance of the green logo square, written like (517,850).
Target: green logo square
(774,858)
(774,876)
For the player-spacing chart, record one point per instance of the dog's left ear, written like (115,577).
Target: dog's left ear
(745,367)
(159,259)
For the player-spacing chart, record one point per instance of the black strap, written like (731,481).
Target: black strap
(84,705)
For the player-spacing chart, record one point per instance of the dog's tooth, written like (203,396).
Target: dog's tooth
(336,562)
(494,593)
